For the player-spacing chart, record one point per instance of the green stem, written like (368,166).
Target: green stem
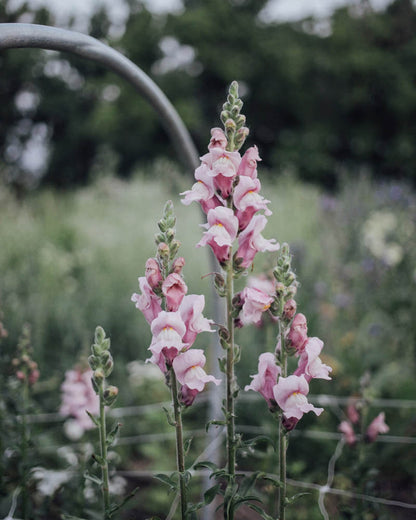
(230,374)
(104,461)
(282,431)
(180,452)
(25,446)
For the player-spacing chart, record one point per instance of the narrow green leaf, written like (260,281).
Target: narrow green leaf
(93,419)
(293,498)
(93,478)
(111,436)
(98,459)
(169,416)
(260,511)
(116,507)
(206,464)
(211,493)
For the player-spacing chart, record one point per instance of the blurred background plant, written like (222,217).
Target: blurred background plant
(331,102)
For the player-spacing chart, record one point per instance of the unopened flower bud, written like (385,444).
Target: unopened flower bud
(174,247)
(93,361)
(289,278)
(219,284)
(178,264)
(163,250)
(108,367)
(34,376)
(289,309)
(280,289)
(230,126)
(152,273)
(99,335)
(110,395)
(98,376)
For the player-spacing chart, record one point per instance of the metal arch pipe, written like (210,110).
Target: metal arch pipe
(22,35)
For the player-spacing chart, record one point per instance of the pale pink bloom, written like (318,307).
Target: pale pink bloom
(152,273)
(147,302)
(168,330)
(255,302)
(298,333)
(376,426)
(223,168)
(247,200)
(290,394)
(174,289)
(251,241)
(352,413)
(266,379)
(190,373)
(346,428)
(262,283)
(221,231)
(191,312)
(248,165)
(78,396)
(218,139)
(203,191)
(310,365)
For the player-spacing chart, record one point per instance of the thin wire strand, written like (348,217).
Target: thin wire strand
(331,473)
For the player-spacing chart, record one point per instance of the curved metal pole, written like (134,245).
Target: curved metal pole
(22,35)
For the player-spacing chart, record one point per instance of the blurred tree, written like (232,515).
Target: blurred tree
(322,97)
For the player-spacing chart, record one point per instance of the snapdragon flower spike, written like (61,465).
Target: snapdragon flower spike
(290,394)
(310,365)
(188,367)
(266,378)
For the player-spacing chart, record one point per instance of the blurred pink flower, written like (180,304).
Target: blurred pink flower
(254,302)
(266,379)
(251,241)
(376,426)
(290,394)
(221,231)
(168,330)
(78,396)
(310,365)
(248,165)
(352,413)
(147,302)
(191,312)
(298,333)
(349,435)
(174,289)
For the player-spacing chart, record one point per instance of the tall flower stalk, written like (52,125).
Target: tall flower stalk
(175,319)
(228,189)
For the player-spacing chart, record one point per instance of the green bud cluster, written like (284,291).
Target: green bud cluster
(167,245)
(101,363)
(286,283)
(233,121)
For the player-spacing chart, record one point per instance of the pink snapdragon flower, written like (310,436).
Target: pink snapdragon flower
(190,373)
(262,283)
(222,228)
(174,289)
(352,413)
(254,302)
(310,365)
(218,139)
(376,426)
(153,274)
(147,301)
(266,379)
(298,333)
(251,241)
(191,312)
(223,168)
(203,191)
(248,165)
(168,329)
(290,394)
(248,201)
(346,428)
(78,397)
